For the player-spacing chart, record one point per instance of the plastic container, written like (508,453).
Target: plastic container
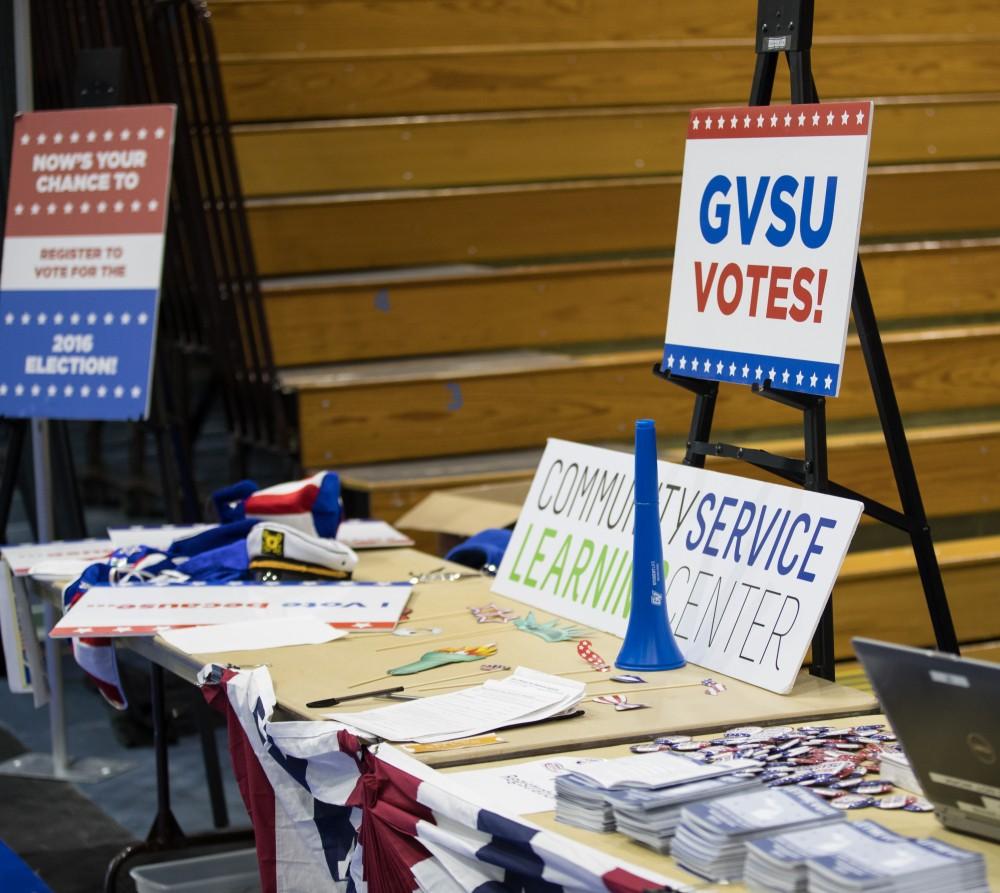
(232,872)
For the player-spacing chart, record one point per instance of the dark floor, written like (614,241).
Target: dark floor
(59,832)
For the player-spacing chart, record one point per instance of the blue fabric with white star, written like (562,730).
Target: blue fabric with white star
(736,367)
(47,372)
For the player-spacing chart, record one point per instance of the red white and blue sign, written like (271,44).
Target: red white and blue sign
(767,242)
(82,260)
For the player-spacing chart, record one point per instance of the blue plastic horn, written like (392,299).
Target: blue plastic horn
(649,642)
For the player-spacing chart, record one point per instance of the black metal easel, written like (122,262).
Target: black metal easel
(785,26)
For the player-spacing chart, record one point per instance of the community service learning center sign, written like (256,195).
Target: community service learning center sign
(82,256)
(748,565)
(767,241)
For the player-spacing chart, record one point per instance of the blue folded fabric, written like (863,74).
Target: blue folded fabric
(221,565)
(213,538)
(482,550)
(228,501)
(16,876)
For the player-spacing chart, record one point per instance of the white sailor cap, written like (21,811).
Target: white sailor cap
(280,552)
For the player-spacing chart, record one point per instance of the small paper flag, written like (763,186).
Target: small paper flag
(585,651)
(492,614)
(619,702)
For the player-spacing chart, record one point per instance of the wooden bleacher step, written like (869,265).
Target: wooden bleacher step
(857,459)
(366,81)
(291,235)
(269,26)
(408,408)
(407,151)
(432,310)
(850,672)
(878,594)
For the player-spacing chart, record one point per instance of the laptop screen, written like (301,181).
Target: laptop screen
(944,710)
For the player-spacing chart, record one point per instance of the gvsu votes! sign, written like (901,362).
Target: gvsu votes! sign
(767,240)
(81,261)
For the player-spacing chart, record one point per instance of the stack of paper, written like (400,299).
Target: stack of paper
(779,863)
(583,804)
(524,696)
(651,818)
(895,768)
(910,866)
(585,796)
(712,837)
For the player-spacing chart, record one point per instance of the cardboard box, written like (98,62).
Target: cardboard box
(458,513)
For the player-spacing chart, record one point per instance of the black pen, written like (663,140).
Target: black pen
(333,702)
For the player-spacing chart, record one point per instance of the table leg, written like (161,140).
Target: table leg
(210,757)
(165,833)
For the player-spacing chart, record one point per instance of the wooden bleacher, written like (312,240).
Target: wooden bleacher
(464,214)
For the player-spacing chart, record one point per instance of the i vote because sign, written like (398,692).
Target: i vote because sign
(748,565)
(767,240)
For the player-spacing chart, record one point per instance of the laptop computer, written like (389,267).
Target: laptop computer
(944,710)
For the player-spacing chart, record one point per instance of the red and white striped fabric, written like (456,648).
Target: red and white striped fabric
(311,505)
(96,655)
(331,814)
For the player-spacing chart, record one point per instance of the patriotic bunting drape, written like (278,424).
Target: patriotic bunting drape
(332,814)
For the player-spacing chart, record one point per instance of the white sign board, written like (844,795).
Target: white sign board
(748,565)
(83,251)
(146,610)
(767,242)
(23,558)
(23,657)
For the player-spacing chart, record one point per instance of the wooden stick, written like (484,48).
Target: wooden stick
(443,687)
(638,689)
(370,681)
(435,640)
(482,673)
(641,691)
(461,684)
(581,672)
(427,669)
(412,619)
(471,675)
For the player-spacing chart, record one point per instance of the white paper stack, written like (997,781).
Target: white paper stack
(894,767)
(583,804)
(779,863)
(651,818)
(910,866)
(524,696)
(585,796)
(712,837)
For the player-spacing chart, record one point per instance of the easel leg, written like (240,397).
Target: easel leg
(763,79)
(701,423)
(17,432)
(817,478)
(902,464)
(800,71)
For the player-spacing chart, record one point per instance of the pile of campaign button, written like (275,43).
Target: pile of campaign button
(832,763)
